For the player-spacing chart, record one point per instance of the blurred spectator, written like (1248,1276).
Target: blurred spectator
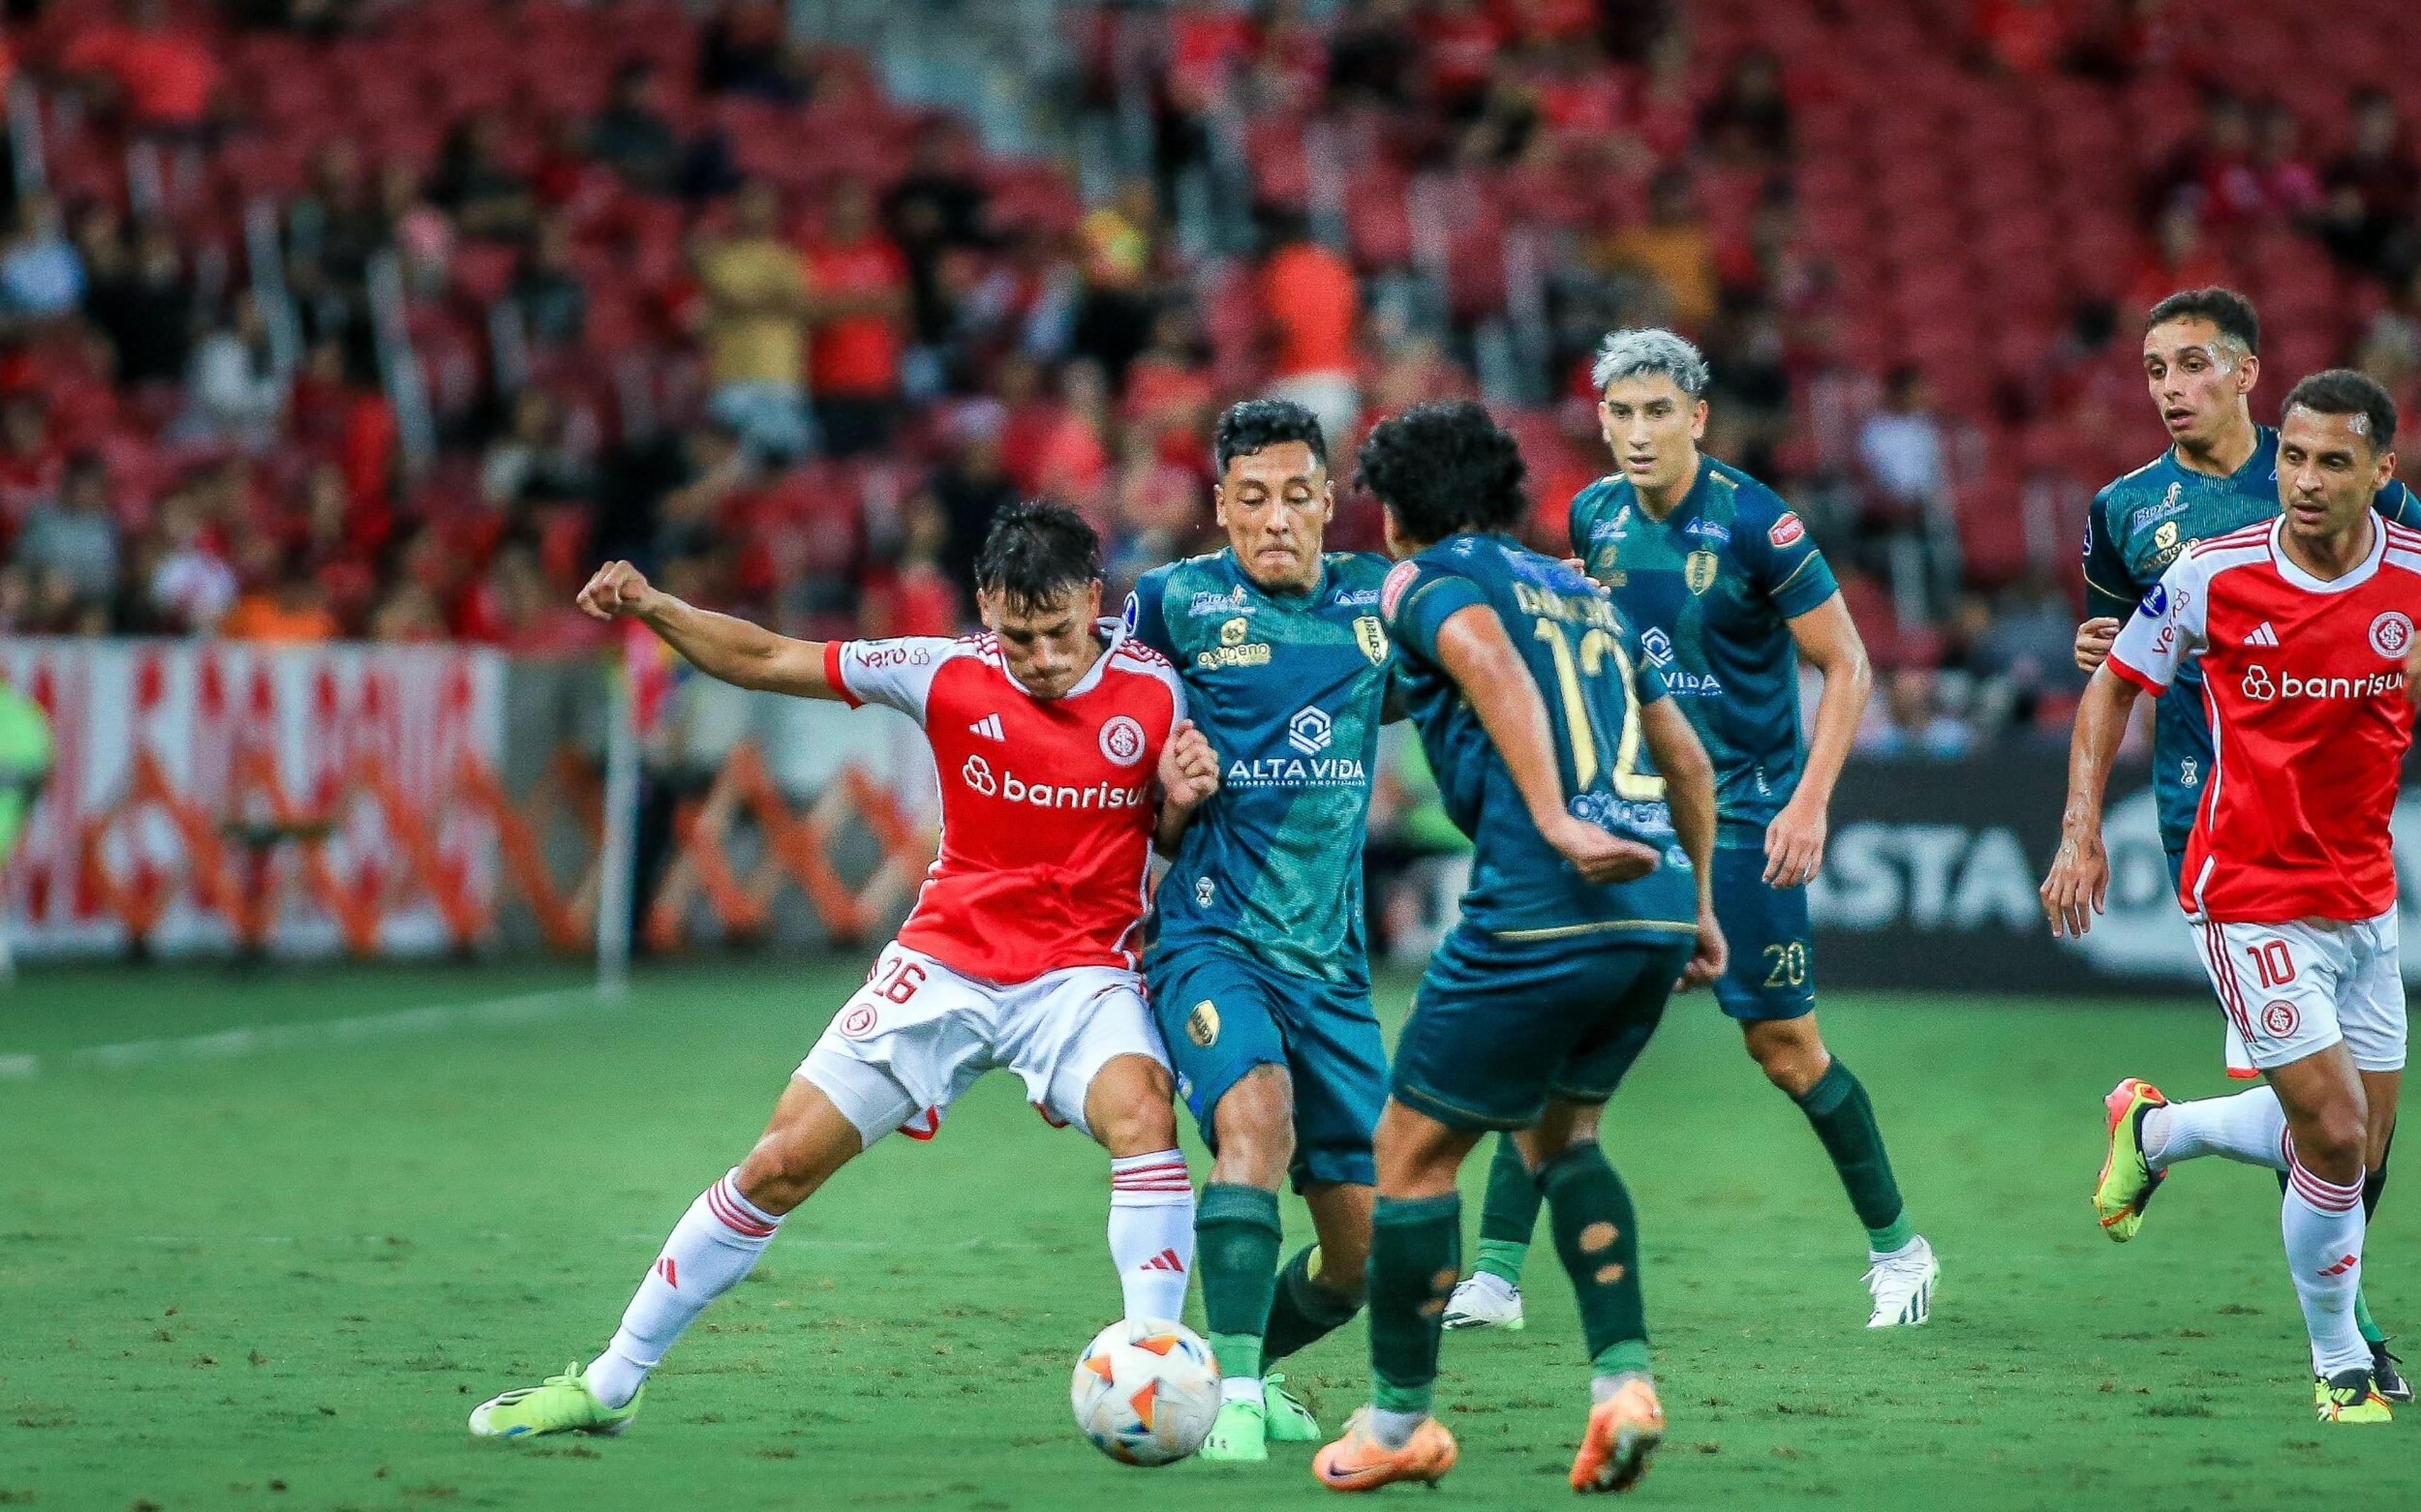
(1671,250)
(1112,320)
(937,206)
(41,275)
(1913,724)
(1312,304)
(742,52)
(2179,259)
(2371,188)
(238,388)
(68,547)
(1170,397)
(2291,186)
(29,461)
(1749,122)
(350,422)
(531,461)
(408,615)
(138,299)
(291,608)
(631,136)
(332,231)
(755,327)
(546,284)
(2215,174)
(158,75)
(191,586)
(971,485)
(1901,443)
(2027,37)
(488,200)
(916,597)
(859,285)
(1908,531)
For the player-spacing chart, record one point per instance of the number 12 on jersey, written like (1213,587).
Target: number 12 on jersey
(1595,646)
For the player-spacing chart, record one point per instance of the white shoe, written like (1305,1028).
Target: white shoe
(1482,1301)
(1903,1286)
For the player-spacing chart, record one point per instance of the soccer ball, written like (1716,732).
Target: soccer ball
(1146,1391)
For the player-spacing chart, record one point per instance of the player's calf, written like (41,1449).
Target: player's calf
(1128,1108)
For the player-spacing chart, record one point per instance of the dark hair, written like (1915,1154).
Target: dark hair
(2343,391)
(1035,552)
(1445,468)
(1257,424)
(2223,307)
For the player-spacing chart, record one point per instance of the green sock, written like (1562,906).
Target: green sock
(1836,1106)
(1304,1311)
(2373,1184)
(2371,1333)
(1597,1237)
(1415,1256)
(1509,1215)
(1236,1238)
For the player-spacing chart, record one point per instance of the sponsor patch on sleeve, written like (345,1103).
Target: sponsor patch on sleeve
(2156,602)
(1391,593)
(1785,529)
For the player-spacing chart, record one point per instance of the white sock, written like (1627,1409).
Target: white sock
(1494,1284)
(2249,1126)
(716,1243)
(2324,1226)
(1394,1430)
(1876,1256)
(1240,1388)
(1151,1233)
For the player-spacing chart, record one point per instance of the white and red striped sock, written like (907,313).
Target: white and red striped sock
(2249,1126)
(1151,1233)
(716,1243)
(2324,1226)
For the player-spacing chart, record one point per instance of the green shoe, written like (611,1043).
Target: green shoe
(1240,1433)
(2127,1182)
(1289,1421)
(564,1404)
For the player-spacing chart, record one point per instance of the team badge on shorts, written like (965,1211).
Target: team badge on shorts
(2391,635)
(2278,1019)
(859,1021)
(1122,740)
(1699,571)
(1202,1024)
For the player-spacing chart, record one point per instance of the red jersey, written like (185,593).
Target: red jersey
(2304,680)
(1047,805)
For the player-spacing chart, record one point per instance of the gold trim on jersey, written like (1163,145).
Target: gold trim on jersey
(1566,931)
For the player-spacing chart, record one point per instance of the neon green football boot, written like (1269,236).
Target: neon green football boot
(2127,1181)
(561,1404)
(1289,1421)
(1239,1435)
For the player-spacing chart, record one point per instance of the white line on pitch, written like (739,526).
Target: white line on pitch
(264,1039)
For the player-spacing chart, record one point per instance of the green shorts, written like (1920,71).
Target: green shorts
(1500,1027)
(1222,1013)
(1773,972)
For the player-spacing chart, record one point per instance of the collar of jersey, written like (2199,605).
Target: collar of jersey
(1113,631)
(2301,579)
(1687,507)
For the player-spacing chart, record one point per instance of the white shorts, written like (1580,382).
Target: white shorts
(2295,988)
(915,1036)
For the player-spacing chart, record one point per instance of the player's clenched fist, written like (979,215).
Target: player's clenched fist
(1189,769)
(1601,856)
(617,589)
(2093,640)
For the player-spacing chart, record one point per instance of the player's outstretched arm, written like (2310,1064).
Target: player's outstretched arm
(1477,654)
(731,650)
(1829,639)
(1690,793)
(2079,883)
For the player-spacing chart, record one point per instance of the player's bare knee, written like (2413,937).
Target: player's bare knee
(1256,1123)
(1129,1107)
(2334,1142)
(1789,1052)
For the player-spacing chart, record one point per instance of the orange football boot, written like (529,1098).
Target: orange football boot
(1623,1430)
(1358,1462)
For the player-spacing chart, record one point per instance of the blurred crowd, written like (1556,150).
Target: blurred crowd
(343,318)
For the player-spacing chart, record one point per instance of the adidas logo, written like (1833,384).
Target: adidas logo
(2343,1266)
(671,1272)
(2262,635)
(989,727)
(1165,1260)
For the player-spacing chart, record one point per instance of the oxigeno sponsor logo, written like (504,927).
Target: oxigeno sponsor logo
(978,775)
(2261,687)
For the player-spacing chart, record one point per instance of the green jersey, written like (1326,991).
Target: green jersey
(1711,589)
(1287,688)
(1594,680)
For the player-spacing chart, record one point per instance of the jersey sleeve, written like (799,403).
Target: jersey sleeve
(1146,616)
(1419,597)
(897,674)
(1782,558)
(2111,591)
(2166,628)
(1580,516)
(2395,502)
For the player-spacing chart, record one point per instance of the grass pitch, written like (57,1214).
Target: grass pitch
(277,1270)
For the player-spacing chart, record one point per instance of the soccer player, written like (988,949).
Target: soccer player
(1729,592)
(1555,750)
(2201,362)
(1048,731)
(1257,966)
(2304,625)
